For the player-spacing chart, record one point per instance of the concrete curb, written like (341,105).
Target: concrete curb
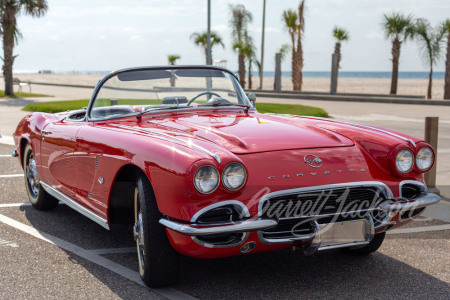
(64,85)
(298,93)
(353,99)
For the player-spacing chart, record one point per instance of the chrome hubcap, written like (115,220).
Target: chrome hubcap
(32,176)
(138,231)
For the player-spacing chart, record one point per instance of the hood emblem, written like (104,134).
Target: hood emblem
(313,161)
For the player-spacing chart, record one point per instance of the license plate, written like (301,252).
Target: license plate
(342,233)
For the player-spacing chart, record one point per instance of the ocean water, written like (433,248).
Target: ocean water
(359,74)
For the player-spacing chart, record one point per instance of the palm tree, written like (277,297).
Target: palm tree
(446,26)
(172,58)
(283,50)
(399,28)
(294,22)
(201,40)
(240,18)
(431,41)
(249,51)
(9,9)
(341,35)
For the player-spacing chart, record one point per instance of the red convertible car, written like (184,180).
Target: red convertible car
(182,155)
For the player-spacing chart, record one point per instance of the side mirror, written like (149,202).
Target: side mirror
(252,98)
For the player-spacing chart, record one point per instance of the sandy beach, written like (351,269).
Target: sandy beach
(345,85)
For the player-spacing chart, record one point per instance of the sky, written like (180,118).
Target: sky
(88,35)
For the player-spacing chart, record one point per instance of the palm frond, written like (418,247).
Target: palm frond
(340,34)
(398,26)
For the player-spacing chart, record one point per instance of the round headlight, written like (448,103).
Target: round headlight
(404,160)
(234,176)
(424,159)
(206,179)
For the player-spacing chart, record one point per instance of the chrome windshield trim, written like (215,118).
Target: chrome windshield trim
(387,190)
(75,205)
(422,186)
(200,230)
(368,127)
(245,213)
(190,145)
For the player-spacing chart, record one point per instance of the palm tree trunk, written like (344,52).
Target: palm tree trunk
(249,75)
(395,58)
(294,68)
(447,71)
(8,46)
(337,51)
(299,66)
(430,79)
(241,62)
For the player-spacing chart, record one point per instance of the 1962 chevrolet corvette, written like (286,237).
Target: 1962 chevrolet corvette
(182,154)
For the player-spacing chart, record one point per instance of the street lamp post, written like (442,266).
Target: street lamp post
(208,36)
(262,46)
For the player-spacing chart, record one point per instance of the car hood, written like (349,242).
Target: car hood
(244,133)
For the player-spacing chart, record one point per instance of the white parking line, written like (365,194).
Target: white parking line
(6,155)
(14,205)
(8,140)
(113,250)
(419,229)
(8,243)
(169,293)
(11,175)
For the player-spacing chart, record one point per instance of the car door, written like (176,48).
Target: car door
(58,144)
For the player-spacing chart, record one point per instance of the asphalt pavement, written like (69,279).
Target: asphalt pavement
(61,254)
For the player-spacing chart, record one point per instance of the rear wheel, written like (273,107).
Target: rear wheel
(38,197)
(373,246)
(158,261)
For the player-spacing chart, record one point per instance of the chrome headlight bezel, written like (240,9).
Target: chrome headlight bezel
(419,156)
(197,173)
(400,157)
(227,169)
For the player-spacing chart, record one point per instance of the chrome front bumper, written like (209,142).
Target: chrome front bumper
(318,239)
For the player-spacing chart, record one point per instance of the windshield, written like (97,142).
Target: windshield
(141,91)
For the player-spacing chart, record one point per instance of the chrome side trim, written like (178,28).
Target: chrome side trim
(74,205)
(245,213)
(422,186)
(387,190)
(199,230)
(368,127)
(190,145)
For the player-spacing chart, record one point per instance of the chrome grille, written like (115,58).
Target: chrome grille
(327,206)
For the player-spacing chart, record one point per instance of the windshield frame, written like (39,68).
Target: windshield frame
(239,90)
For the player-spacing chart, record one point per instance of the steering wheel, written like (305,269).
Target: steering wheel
(201,94)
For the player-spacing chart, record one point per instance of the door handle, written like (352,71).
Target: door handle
(44,132)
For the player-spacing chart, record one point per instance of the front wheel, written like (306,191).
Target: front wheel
(158,261)
(373,246)
(38,197)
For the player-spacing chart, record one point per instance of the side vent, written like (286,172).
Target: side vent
(95,176)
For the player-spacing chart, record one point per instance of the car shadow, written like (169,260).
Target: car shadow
(274,275)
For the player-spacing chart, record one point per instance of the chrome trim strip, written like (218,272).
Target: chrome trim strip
(74,205)
(419,202)
(199,230)
(422,186)
(246,213)
(368,127)
(190,145)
